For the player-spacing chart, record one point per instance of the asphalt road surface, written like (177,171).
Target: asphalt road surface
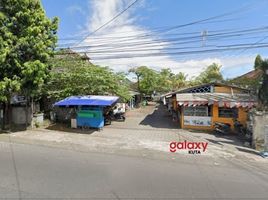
(36,172)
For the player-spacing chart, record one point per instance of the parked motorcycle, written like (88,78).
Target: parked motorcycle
(119,116)
(222,128)
(245,134)
(239,128)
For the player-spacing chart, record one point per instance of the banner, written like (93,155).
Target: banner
(197,121)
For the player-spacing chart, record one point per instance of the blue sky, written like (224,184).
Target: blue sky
(78,18)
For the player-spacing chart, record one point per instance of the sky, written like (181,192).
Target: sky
(183,35)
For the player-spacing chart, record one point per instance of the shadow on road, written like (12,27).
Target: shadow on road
(160,118)
(14,128)
(233,140)
(65,128)
(248,150)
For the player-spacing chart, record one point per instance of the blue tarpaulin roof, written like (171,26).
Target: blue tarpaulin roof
(90,100)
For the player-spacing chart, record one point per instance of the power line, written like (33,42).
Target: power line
(156,48)
(226,48)
(112,45)
(257,42)
(167,29)
(177,26)
(153,30)
(166,48)
(111,20)
(174,40)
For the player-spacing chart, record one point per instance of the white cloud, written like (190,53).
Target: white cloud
(124,26)
(237,61)
(75,9)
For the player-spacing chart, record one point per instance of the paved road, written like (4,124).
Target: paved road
(147,131)
(33,172)
(135,163)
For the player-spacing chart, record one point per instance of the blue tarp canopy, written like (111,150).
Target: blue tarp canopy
(90,100)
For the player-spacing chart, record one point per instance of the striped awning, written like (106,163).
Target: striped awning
(221,99)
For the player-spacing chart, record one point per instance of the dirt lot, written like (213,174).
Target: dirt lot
(147,131)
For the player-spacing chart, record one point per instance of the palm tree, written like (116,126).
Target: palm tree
(179,81)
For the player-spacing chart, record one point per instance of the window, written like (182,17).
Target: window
(196,111)
(228,112)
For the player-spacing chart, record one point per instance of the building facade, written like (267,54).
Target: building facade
(201,106)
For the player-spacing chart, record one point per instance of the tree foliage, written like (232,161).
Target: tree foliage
(169,81)
(166,81)
(263,90)
(256,81)
(179,81)
(71,75)
(258,62)
(211,74)
(27,40)
(147,79)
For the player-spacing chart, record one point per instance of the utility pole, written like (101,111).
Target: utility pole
(204,37)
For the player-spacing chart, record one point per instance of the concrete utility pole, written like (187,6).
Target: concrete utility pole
(204,37)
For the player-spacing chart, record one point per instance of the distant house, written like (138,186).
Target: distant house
(249,80)
(201,106)
(254,74)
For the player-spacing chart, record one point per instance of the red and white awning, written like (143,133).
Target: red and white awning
(220,99)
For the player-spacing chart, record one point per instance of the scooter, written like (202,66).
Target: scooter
(222,128)
(119,116)
(239,128)
(114,117)
(245,134)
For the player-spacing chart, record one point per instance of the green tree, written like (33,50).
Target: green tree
(72,75)
(256,81)
(258,62)
(179,81)
(211,74)
(165,80)
(147,79)
(27,40)
(263,90)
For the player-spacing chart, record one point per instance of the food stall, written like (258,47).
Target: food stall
(89,109)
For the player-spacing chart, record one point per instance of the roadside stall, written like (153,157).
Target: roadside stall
(90,109)
(202,110)
(206,106)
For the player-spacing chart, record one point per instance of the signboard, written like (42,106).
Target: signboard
(18,99)
(197,121)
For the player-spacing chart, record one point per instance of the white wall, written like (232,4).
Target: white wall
(260,123)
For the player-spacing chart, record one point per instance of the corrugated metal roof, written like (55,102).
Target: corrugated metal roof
(187,89)
(211,84)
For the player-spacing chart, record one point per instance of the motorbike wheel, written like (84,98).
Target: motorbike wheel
(108,121)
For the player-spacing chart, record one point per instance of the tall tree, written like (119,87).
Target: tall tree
(27,40)
(179,81)
(72,75)
(263,91)
(258,62)
(165,80)
(147,79)
(211,74)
